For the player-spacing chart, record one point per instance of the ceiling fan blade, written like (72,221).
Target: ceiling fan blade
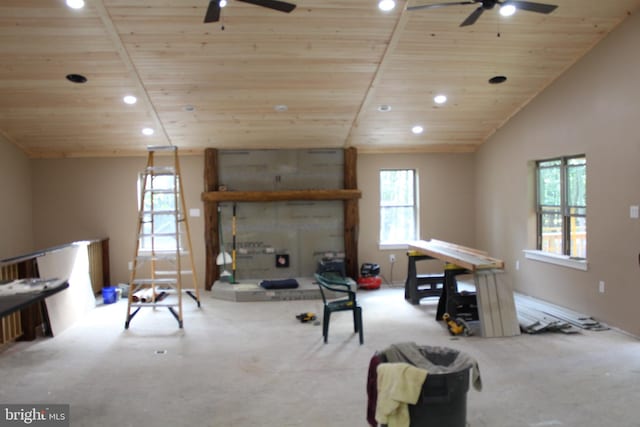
(471,19)
(213,11)
(272,4)
(532,7)
(437,5)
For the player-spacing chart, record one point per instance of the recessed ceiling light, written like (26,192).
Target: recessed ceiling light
(130,99)
(384,108)
(417,130)
(280,108)
(148,131)
(440,99)
(497,80)
(189,108)
(75,4)
(507,10)
(76,78)
(222,3)
(386,5)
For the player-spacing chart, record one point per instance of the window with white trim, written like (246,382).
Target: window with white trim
(398,206)
(561,206)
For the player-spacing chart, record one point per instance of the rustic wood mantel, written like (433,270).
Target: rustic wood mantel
(211,197)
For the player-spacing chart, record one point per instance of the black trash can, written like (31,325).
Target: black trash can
(443,400)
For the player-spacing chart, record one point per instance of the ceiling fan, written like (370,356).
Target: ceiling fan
(213,11)
(489,4)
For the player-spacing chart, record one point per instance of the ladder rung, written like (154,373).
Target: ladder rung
(173,273)
(164,170)
(154,281)
(160,234)
(154,304)
(162,212)
(161,191)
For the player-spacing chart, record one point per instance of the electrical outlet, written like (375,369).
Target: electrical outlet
(130,265)
(392,258)
(601,287)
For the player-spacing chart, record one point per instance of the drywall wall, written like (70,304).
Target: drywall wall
(84,198)
(16,236)
(446,201)
(592,109)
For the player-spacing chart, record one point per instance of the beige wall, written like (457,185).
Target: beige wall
(16,236)
(592,109)
(446,197)
(76,199)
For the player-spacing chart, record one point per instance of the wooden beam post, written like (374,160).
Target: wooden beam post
(351,214)
(211,237)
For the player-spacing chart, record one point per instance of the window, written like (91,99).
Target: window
(561,206)
(159,205)
(398,206)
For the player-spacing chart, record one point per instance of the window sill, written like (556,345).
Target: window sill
(562,260)
(393,246)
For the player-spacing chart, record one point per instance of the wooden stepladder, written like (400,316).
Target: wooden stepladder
(163,241)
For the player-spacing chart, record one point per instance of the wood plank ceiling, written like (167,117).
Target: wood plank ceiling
(332,63)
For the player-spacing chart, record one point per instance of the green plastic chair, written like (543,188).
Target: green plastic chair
(338,285)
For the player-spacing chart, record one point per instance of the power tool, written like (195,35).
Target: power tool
(456,326)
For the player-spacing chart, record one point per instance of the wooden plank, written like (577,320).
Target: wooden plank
(468,258)
(496,306)
(279,196)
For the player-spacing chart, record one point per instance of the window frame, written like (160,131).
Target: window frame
(567,212)
(400,243)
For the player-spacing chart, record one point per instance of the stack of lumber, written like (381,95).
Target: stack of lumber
(537,316)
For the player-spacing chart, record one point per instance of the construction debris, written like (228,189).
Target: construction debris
(537,316)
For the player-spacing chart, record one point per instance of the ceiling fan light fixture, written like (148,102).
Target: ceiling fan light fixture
(507,9)
(386,5)
(495,80)
(417,129)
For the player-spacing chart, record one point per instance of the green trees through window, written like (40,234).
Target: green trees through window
(561,206)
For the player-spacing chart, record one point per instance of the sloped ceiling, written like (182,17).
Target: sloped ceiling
(332,64)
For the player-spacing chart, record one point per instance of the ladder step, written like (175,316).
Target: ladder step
(155,281)
(154,304)
(162,212)
(173,273)
(160,234)
(161,191)
(169,256)
(164,170)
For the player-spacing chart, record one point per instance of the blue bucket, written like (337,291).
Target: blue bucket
(109,294)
